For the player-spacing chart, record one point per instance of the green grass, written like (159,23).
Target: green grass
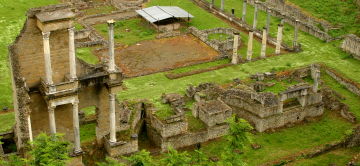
(78,26)
(7,121)
(199,66)
(11,21)
(339,13)
(351,99)
(280,86)
(129,31)
(338,157)
(89,110)
(87,132)
(86,55)
(163,110)
(194,124)
(218,36)
(288,141)
(99,10)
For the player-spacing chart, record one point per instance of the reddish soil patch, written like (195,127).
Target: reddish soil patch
(164,54)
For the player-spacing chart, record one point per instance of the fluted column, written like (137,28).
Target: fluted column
(72,58)
(52,122)
(296,33)
(111,63)
(112,118)
(243,18)
(47,59)
(250,46)
(279,39)
(263,43)
(235,57)
(77,145)
(29,128)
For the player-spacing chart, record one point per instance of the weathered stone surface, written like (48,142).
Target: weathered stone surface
(351,45)
(212,112)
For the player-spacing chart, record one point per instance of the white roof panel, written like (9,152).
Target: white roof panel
(157,13)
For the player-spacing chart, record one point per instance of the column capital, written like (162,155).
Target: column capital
(46,35)
(51,108)
(112,97)
(71,29)
(111,22)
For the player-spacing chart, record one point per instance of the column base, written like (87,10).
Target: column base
(76,153)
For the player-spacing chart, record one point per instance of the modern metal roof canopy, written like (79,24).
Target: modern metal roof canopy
(158,13)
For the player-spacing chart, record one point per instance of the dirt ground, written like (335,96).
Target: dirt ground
(158,55)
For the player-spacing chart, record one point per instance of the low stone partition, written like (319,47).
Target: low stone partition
(174,125)
(212,112)
(351,45)
(122,14)
(82,34)
(351,85)
(222,46)
(121,147)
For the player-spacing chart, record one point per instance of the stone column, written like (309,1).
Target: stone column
(30,128)
(52,122)
(72,58)
(243,18)
(268,18)
(112,118)
(255,15)
(250,46)
(235,57)
(263,44)
(212,3)
(316,80)
(279,39)
(47,59)
(77,145)
(222,5)
(296,33)
(111,63)
(1,151)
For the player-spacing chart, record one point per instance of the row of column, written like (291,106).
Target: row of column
(47,56)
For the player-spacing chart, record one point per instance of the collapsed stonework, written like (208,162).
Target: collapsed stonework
(351,44)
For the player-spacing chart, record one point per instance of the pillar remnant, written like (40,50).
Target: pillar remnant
(30,128)
(255,16)
(77,145)
(72,58)
(47,58)
(222,5)
(212,3)
(279,39)
(295,44)
(316,80)
(250,45)
(52,122)
(112,118)
(243,18)
(268,19)
(235,57)
(263,43)
(111,63)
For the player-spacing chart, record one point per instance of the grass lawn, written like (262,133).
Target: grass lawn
(87,132)
(99,10)
(194,124)
(89,110)
(219,36)
(339,13)
(288,141)
(7,121)
(280,86)
(338,157)
(129,31)
(86,55)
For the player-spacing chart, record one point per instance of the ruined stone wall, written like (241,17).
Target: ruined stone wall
(348,83)
(351,45)
(29,49)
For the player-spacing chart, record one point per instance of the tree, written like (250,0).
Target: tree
(49,150)
(142,158)
(239,133)
(200,159)
(13,160)
(175,158)
(110,162)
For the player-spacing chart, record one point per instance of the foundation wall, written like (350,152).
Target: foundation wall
(351,45)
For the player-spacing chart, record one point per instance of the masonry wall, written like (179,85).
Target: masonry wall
(351,45)
(29,50)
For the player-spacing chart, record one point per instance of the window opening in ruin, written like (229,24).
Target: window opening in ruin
(9,145)
(87,117)
(291,102)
